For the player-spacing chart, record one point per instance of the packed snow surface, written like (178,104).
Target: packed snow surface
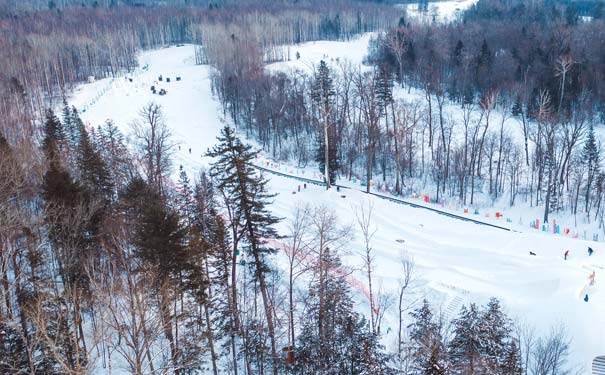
(456,262)
(439,11)
(305,57)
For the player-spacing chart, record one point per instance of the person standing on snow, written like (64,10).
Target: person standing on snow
(590,251)
(591,278)
(566,254)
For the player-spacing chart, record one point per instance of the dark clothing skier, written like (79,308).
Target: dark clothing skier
(590,251)
(566,254)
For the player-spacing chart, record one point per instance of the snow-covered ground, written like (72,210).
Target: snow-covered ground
(352,53)
(439,11)
(193,115)
(456,262)
(332,52)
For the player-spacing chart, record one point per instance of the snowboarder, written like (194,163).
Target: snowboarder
(590,251)
(566,254)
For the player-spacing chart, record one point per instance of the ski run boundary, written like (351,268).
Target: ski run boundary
(391,199)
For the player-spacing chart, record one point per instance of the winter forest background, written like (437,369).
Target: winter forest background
(110,265)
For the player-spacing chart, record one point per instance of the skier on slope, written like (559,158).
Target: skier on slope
(591,278)
(590,251)
(566,254)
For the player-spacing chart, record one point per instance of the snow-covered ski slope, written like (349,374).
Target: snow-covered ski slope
(189,109)
(456,262)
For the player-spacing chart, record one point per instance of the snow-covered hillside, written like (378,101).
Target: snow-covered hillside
(457,262)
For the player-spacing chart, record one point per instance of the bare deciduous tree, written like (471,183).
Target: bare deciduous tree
(368,230)
(551,353)
(153,139)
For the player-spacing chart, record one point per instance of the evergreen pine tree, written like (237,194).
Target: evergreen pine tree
(185,202)
(435,363)
(428,349)
(54,136)
(384,87)
(592,159)
(346,345)
(467,345)
(70,126)
(246,193)
(457,54)
(512,363)
(517,109)
(94,173)
(160,244)
(113,149)
(485,56)
(552,185)
(160,237)
(323,95)
(495,329)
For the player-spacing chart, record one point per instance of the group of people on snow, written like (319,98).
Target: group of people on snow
(566,254)
(591,277)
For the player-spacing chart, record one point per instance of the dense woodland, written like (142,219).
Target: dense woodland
(537,66)
(106,265)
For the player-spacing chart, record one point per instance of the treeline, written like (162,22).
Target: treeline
(530,65)
(534,62)
(481,340)
(47,52)
(106,265)
(12,8)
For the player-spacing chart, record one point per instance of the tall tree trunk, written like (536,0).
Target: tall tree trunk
(326,145)
(167,321)
(209,328)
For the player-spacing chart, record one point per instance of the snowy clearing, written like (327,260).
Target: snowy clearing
(440,11)
(333,52)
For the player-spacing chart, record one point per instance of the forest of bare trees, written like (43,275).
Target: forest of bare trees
(527,92)
(107,266)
